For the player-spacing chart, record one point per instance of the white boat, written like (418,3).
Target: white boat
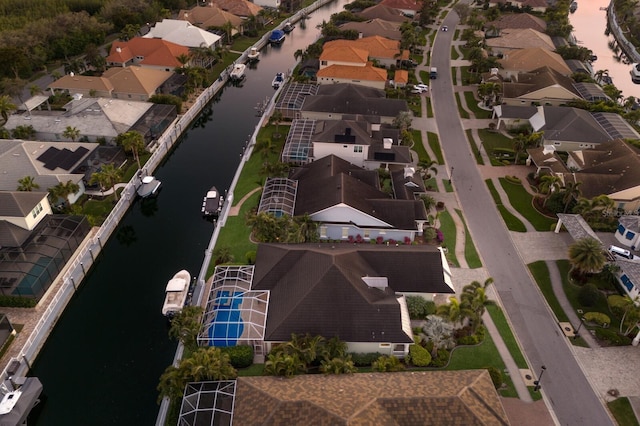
(237,73)
(176,293)
(635,73)
(573,6)
(212,203)
(288,27)
(278,80)
(149,187)
(254,54)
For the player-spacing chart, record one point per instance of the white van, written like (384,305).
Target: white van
(620,252)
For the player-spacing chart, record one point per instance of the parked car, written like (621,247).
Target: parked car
(420,88)
(445,28)
(408,63)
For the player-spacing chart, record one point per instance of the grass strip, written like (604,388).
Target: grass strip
(540,273)
(470,252)
(512,222)
(522,201)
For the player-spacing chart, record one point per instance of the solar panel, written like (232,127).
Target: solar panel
(54,158)
(46,156)
(615,125)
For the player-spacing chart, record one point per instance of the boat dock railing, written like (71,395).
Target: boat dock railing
(627,47)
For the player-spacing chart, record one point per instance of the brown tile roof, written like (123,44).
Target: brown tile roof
(403,4)
(136,79)
(375,46)
(548,160)
(401,76)
(155,51)
(209,16)
(366,73)
(518,20)
(238,7)
(538,79)
(439,398)
(517,38)
(319,288)
(387,29)
(341,52)
(82,82)
(532,58)
(383,12)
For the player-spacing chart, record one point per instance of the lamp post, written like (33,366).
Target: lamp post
(451,176)
(576,333)
(537,382)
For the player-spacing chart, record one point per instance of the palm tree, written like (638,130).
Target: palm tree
(548,185)
(279,363)
(452,311)
(429,202)
(63,190)
(571,192)
(27,184)
(6,107)
(71,133)
(222,255)
(186,326)
(600,74)
(305,346)
(307,229)
(107,178)
(587,256)
(276,118)
(266,148)
(338,366)
(132,141)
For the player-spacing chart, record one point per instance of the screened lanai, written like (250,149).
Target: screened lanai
(278,197)
(234,313)
(208,403)
(298,146)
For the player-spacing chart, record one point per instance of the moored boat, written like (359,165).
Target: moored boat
(176,293)
(237,73)
(149,186)
(573,6)
(278,80)
(635,73)
(276,37)
(288,27)
(254,54)
(212,203)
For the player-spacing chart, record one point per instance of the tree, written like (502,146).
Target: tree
(338,366)
(222,255)
(107,178)
(489,92)
(133,142)
(452,311)
(23,132)
(587,256)
(63,190)
(186,326)
(276,118)
(429,202)
(71,133)
(403,120)
(570,192)
(548,185)
(279,363)
(439,332)
(6,107)
(266,148)
(27,184)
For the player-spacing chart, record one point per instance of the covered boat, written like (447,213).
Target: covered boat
(19,396)
(212,203)
(150,186)
(276,37)
(278,80)
(176,293)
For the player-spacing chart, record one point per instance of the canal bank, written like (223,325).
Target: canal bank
(110,345)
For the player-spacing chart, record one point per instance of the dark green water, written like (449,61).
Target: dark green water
(101,364)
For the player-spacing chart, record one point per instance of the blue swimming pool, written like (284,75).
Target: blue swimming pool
(227,326)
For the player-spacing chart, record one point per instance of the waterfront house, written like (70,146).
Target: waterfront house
(542,86)
(513,21)
(529,59)
(406,7)
(241,8)
(386,13)
(532,5)
(383,51)
(518,38)
(211,16)
(147,53)
(374,27)
(367,75)
(183,33)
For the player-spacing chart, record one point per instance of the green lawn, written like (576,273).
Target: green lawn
(494,140)
(470,252)
(622,412)
(512,222)
(448,228)
(454,53)
(540,273)
(472,104)
(418,146)
(463,112)
(434,144)
(454,76)
(507,335)
(252,370)
(474,147)
(522,201)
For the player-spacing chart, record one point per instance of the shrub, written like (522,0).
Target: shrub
(17,302)
(513,179)
(439,236)
(364,359)
(429,234)
(240,356)
(588,295)
(379,240)
(419,307)
(617,304)
(598,318)
(612,337)
(387,363)
(251,257)
(419,356)
(468,340)
(496,376)
(407,240)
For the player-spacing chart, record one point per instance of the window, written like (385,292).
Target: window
(385,345)
(323,63)
(323,231)
(366,235)
(357,148)
(36,211)
(621,229)
(345,232)
(630,235)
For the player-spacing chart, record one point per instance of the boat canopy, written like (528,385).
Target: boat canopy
(176,284)
(147,179)
(212,194)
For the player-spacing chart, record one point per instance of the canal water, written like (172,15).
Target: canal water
(102,362)
(589,23)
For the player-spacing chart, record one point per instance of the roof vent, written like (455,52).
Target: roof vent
(387,143)
(376,282)
(118,49)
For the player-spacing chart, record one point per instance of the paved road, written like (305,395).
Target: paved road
(564,385)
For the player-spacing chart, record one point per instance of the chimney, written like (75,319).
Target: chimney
(387,142)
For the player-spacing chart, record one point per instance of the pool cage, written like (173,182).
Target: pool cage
(208,403)
(30,269)
(278,197)
(234,313)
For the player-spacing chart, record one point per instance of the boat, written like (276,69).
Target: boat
(237,73)
(254,54)
(278,80)
(150,186)
(19,396)
(635,73)
(288,27)
(276,37)
(573,6)
(212,203)
(176,293)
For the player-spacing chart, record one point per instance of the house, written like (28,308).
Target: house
(132,83)
(98,119)
(34,244)
(353,291)
(406,7)
(49,163)
(374,27)
(529,59)
(542,86)
(577,66)
(241,8)
(367,75)
(513,21)
(183,33)
(364,142)
(292,97)
(426,397)
(383,12)
(532,5)
(628,232)
(334,101)
(211,16)
(518,38)
(348,202)
(271,4)
(384,51)
(146,52)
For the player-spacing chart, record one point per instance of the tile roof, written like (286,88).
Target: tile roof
(319,288)
(547,159)
(353,99)
(407,183)
(387,29)
(572,124)
(136,80)
(19,203)
(182,33)
(518,20)
(154,51)
(12,235)
(238,7)
(538,79)
(517,38)
(82,82)
(383,12)
(535,57)
(464,397)
(375,46)
(403,4)
(208,16)
(344,53)
(366,73)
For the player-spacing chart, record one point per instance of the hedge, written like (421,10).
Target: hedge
(364,359)
(240,356)
(419,356)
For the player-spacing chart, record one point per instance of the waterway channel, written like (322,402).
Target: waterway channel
(102,361)
(589,25)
